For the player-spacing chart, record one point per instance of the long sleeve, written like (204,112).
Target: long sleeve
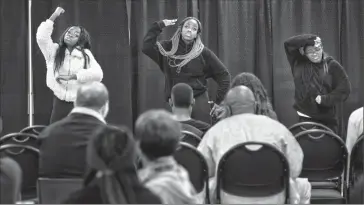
(355,128)
(341,85)
(92,73)
(294,155)
(149,43)
(44,40)
(293,44)
(206,150)
(218,71)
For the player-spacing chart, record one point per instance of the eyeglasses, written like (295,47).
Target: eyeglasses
(314,51)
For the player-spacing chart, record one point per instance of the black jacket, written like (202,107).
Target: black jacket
(194,73)
(333,87)
(63,146)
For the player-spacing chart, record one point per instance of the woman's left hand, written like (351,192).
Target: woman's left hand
(218,111)
(318,99)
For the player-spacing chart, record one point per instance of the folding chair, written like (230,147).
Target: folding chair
(253,173)
(27,157)
(194,162)
(190,138)
(324,164)
(34,129)
(303,126)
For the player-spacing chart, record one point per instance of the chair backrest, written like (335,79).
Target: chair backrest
(356,160)
(190,128)
(245,172)
(303,126)
(190,138)
(27,157)
(194,162)
(325,155)
(20,138)
(34,129)
(53,191)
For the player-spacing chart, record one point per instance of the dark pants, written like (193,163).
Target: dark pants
(201,109)
(332,124)
(60,109)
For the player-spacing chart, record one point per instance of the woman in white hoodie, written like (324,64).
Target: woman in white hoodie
(70,63)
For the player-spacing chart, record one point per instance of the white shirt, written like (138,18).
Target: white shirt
(355,128)
(244,128)
(73,64)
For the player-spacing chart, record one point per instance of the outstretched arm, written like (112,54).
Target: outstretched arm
(150,47)
(44,33)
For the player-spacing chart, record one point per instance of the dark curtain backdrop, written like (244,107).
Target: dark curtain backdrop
(247,35)
(13,64)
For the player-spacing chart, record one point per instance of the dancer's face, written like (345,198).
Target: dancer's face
(72,35)
(314,53)
(189,30)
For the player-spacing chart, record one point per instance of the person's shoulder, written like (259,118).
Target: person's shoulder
(358,113)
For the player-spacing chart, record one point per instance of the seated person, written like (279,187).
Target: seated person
(63,143)
(182,102)
(113,177)
(158,137)
(355,128)
(245,125)
(357,191)
(10,181)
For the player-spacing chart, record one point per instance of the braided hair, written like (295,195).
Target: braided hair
(196,50)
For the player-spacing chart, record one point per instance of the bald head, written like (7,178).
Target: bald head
(241,100)
(92,95)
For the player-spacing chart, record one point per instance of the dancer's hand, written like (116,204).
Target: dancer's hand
(56,13)
(59,11)
(318,99)
(218,112)
(168,22)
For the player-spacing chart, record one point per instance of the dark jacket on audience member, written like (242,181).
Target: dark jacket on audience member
(202,126)
(333,87)
(63,146)
(194,73)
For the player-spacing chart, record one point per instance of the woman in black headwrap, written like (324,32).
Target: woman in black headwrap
(112,178)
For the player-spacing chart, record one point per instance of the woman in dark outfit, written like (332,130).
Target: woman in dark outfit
(184,59)
(320,81)
(113,177)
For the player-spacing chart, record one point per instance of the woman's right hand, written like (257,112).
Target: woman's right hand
(59,11)
(168,22)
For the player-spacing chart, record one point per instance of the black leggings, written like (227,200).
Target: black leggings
(60,109)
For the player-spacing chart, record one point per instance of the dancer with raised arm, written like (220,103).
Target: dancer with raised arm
(320,81)
(69,62)
(185,59)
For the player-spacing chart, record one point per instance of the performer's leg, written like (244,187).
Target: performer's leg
(201,109)
(60,109)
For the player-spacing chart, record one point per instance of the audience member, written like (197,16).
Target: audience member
(10,181)
(246,126)
(263,104)
(182,102)
(355,128)
(158,137)
(113,180)
(63,143)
